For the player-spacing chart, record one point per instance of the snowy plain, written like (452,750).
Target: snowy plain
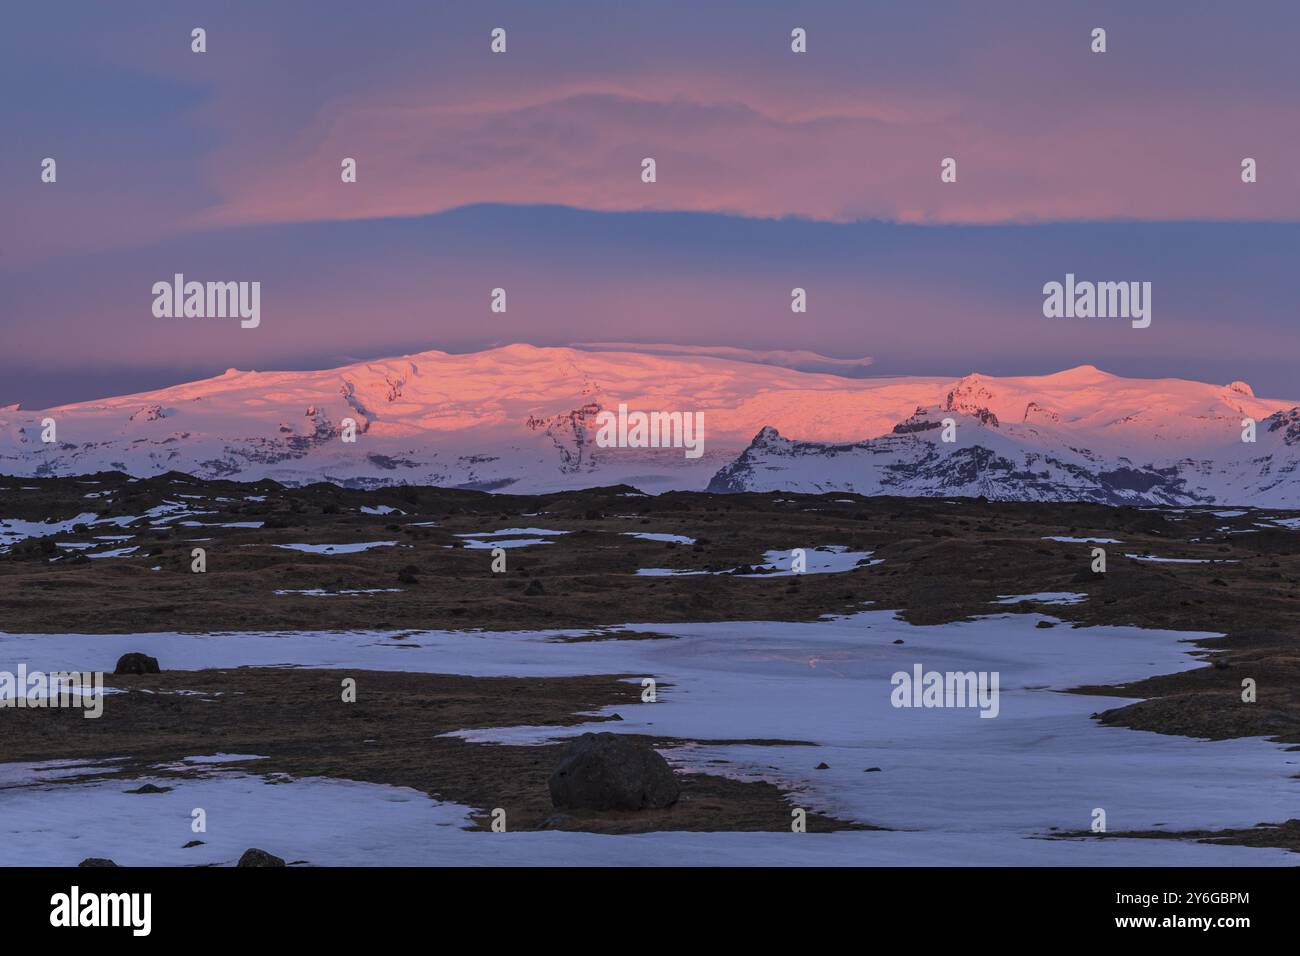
(955,789)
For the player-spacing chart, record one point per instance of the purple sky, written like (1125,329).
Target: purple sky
(521,170)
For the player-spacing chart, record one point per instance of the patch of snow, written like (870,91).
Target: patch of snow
(336,548)
(1290,523)
(478,545)
(831,559)
(535,532)
(13,530)
(1043,597)
(321,592)
(1152,557)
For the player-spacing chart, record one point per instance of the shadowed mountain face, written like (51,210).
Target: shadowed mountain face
(1026,464)
(529,420)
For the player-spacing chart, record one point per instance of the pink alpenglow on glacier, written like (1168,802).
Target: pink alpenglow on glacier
(529,419)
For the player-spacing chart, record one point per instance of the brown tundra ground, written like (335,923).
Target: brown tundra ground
(940,561)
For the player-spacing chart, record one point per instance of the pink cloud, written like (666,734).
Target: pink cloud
(740,149)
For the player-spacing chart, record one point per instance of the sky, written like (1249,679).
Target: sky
(522,170)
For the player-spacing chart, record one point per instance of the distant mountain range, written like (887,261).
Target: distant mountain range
(526,420)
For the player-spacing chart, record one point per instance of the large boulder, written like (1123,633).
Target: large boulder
(96,861)
(255,857)
(612,772)
(136,663)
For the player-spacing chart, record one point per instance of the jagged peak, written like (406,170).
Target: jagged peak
(969,394)
(931,417)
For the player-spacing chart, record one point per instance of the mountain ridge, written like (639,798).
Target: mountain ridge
(525,418)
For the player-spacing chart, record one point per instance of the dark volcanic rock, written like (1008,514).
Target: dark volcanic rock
(256,857)
(611,772)
(136,663)
(96,861)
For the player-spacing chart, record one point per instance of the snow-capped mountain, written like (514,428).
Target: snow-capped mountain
(527,419)
(518,418)
(1079,435)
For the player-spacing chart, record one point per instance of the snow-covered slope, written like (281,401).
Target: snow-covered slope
(524,419)
(1078,435)
(518,418)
